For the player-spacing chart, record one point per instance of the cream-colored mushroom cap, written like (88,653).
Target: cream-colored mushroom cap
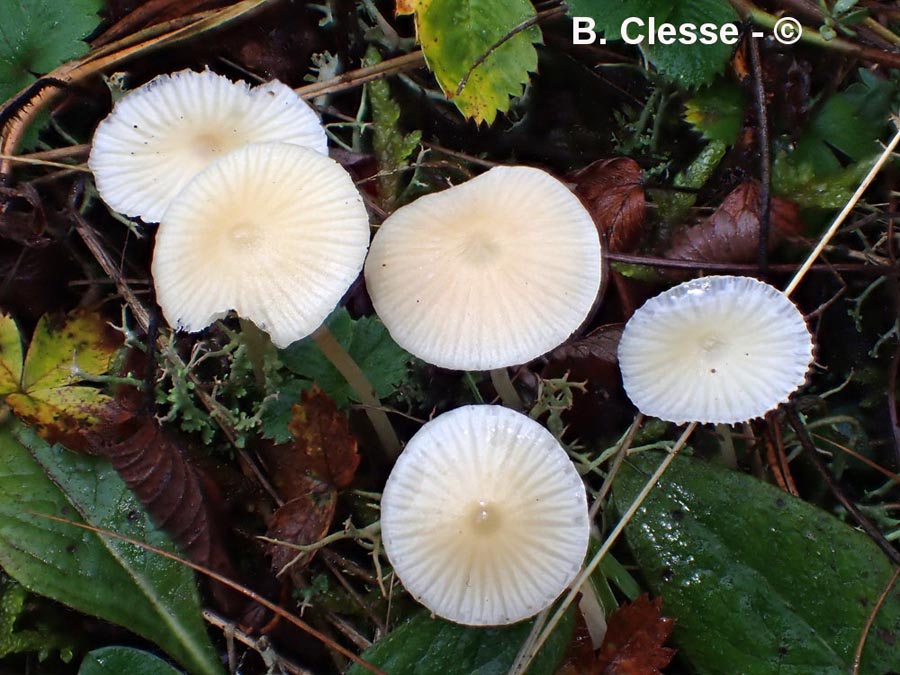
(719,349)
(161,135)
(484,517)
(491,273)
(274,231)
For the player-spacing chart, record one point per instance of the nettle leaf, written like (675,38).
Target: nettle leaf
(454,35)
(757,581)
(689,65)
(367,340)
(105,577)
(36,36)
(119,660)
(44,391)
(425,646)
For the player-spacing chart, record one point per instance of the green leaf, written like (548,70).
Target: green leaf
(815,173)
(121,660)
(717,111)
(695,64)
(758,581)
(426,646)
(454,35)
(368,342)
(689,65)
(42,640)
(105,577)
(36,36)
(276,413)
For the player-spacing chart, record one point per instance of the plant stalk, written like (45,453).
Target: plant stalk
(258,344)
(505,389)
(356,378)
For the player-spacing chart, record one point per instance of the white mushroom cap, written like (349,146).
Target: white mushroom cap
(484,517)
(487,274)
(161,135)
(719,349)
(274,231)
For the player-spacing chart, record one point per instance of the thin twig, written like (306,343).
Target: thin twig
(621,452)
(525,657)
(848,207)
(360,76)
(765,166)
(215,576)
(260,645)
(812,453)
(861,645)
(697,265)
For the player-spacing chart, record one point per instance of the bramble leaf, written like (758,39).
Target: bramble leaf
(455,35)
(689,65)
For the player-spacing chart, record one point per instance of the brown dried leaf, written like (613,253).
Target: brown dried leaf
(613,191)
(731,233)
(303,520)
(179,498)
(323,445)
(635,638)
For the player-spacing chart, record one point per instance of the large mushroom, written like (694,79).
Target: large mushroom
(487,274)
(277,232)
(484,517)
(159,136)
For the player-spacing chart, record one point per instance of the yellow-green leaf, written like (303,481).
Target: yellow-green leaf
(62,353)
(456,34)
(10,355)
(59,351)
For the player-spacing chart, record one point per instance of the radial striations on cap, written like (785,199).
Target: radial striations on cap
(274,231)
(487,274)
(484,517)
(161,135)
(720,349)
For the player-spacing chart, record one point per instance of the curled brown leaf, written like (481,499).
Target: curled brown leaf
(613,191)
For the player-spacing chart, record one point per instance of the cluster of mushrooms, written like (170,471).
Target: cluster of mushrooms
(484,516)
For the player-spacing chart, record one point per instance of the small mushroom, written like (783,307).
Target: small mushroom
(275,231)
(484,517)
(487,274)
(161,135)
(719,349)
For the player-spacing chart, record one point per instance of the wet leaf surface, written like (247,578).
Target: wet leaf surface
(757,577)
(150,595)
(635,640)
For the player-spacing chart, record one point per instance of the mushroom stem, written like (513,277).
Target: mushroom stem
(258,343)
(526,656)
(505,389)
(356,378)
